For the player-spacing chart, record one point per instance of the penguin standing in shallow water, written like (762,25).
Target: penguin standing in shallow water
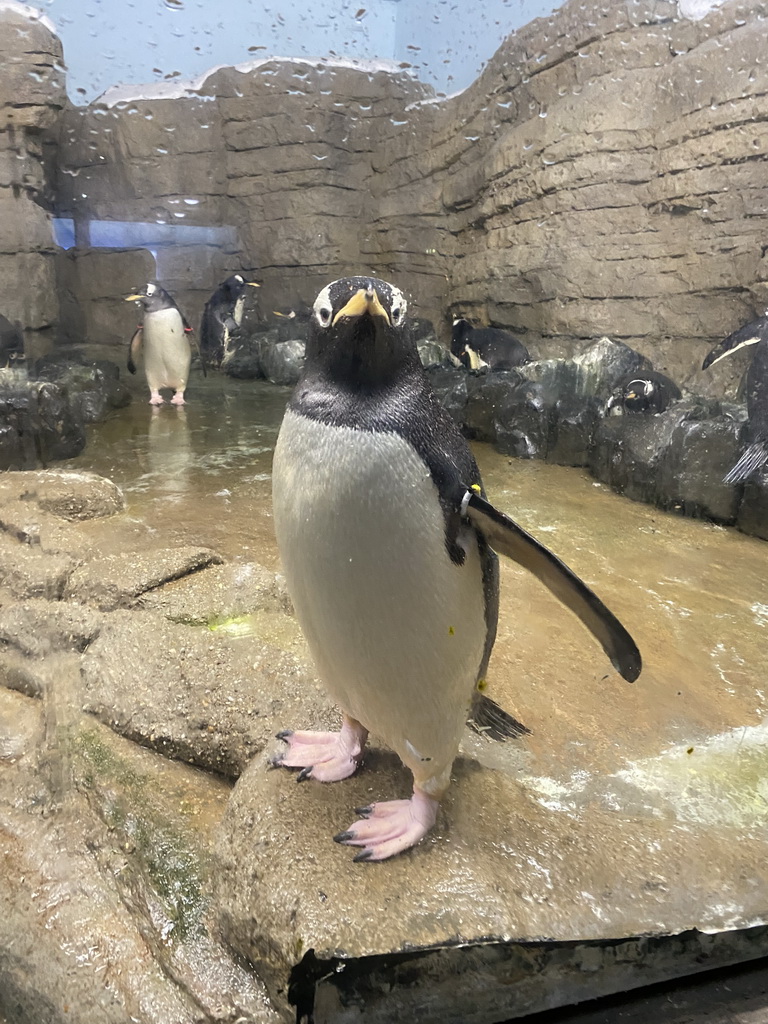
(163,335)
(386,543)
(754,435)
(222,315)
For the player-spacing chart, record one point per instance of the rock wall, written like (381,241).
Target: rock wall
(605,175)
(275,160)
(31,96)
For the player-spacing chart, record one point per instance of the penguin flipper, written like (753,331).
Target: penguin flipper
(752,459)
(195,345)
(134,347)
(507,538)
(488,719)
(751,334)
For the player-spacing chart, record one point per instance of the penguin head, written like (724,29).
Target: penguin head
(359,333)
(152,297)
(460,328)
(638,394)
(235,285)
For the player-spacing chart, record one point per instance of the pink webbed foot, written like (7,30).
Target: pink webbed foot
(325,756)
(178,398)
(155,398)
(390,827)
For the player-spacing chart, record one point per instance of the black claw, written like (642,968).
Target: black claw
(343,837)
(364,811)
(362,856)
(284,735)
(274,762)
(305,773)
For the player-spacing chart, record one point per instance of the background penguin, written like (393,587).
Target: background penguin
(222,315)
(754,433)
(167,353)
(645,392)
(11,342)
(477,347)
(386,544)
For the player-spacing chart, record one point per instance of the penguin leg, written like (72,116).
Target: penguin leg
(155,398)
(392,826)
(178,397)
(325,756)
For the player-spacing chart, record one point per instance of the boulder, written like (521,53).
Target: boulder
(450,386)
(247,353)
(431,352)
(114,581)
(676,459)
(283,362)
(65,494)
(489,397)
(753,511)
(692,467)
(37,423)
(524,423)
(94,389)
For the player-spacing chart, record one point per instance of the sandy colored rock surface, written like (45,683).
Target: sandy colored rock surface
(105,881)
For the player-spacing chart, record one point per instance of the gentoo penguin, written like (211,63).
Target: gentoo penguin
(754,434)
(386,543)
(647,391)
(222,315)
(163,333)
(479,347)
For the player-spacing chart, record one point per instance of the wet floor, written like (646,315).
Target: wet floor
(687,740)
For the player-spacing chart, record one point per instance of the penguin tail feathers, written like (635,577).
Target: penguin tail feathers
(488,719)
(752,459)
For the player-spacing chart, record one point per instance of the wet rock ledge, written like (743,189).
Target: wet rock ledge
(140,882)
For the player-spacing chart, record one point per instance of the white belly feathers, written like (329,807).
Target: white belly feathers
(395,627)
(167,355)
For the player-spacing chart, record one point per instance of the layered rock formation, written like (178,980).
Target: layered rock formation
(31,98)
(604,175)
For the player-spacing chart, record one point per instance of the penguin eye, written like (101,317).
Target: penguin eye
(324,315)
(397,313)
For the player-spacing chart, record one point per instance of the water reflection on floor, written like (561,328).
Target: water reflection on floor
(685,739)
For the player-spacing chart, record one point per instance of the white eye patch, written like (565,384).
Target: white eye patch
(151,289)
(322,309)
(398,306)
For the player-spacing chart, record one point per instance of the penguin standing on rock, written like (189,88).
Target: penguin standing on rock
(387,544)
(222,315)
(491,347)
(754,434)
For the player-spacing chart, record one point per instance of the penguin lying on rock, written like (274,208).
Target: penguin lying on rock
(645,391)
(222,315)
(163,334)
(481,347)
(387,543)
(754,434)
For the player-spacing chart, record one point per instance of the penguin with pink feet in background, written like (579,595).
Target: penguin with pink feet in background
(164,336)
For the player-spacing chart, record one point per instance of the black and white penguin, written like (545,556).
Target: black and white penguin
(754,434)
(222,315)
(491,347)
(163,334)
(648,391)
(386,543)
